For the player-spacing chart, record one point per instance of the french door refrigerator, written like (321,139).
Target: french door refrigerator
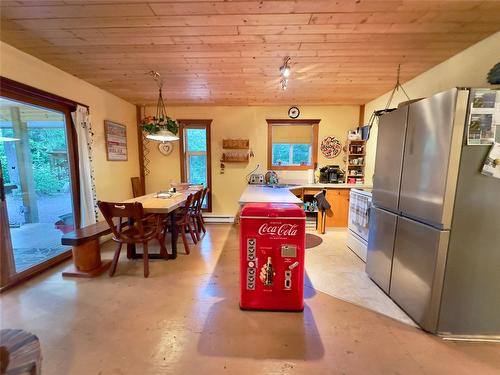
(434,241)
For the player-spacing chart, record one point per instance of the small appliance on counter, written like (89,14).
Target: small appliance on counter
(271,177)
(255,178)
(331,174)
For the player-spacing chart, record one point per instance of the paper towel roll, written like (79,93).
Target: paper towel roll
(310,176)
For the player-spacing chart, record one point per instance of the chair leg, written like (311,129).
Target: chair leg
(161,240)
(201,222)
(184,239)
(197,229)
(112,270)
(146,259)
(193,236)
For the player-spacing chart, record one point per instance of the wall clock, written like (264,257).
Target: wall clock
(166,148)
(293,112)
(331,147)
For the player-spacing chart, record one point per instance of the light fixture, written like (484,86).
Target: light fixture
(285,72)
(160,127)
(283,83)
(163,136)
(285,69)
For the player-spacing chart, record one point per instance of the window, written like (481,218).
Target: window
(39,179)
(292,144)
(195,150)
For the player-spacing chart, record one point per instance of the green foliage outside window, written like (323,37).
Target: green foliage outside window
(291,153)
(51,175)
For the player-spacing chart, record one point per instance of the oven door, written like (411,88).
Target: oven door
(359,214)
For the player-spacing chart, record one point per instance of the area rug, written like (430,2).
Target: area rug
(312,240)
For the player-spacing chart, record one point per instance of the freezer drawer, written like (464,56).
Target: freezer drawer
(389,159)
(433,141)
(418,270)
(380,247)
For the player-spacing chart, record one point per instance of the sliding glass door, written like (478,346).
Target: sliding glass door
(36,188)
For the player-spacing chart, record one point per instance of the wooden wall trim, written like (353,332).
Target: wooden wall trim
(361,115)
(182,155)
(140,144)
(9,85)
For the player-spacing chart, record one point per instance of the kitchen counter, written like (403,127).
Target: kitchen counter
(329,186)
(266,194)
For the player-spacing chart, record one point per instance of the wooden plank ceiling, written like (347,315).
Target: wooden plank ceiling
(228,52)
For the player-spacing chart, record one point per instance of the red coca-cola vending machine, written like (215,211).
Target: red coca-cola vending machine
(272,243)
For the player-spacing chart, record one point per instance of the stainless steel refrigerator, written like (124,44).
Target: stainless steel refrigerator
(434,241)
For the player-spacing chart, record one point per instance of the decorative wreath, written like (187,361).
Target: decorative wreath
(331,147)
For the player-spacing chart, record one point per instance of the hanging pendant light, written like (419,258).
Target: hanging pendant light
(160,127)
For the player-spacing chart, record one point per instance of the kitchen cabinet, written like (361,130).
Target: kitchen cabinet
(337,215)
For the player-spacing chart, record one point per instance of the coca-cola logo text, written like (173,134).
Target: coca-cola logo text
(278,230)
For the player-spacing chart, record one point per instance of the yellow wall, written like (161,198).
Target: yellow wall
(466,69)
(112,178)
(242,122)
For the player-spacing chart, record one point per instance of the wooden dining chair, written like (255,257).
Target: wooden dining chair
(197,214)
(137,188)
(143,229)
(183,221)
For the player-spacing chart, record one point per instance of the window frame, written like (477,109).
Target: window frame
(24,93)
(314,123)
(196,124)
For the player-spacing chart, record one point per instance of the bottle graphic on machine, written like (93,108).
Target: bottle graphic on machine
(269,273)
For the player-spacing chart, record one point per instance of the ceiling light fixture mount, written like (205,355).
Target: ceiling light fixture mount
(285,72)
(160,127)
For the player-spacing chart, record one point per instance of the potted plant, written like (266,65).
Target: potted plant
(153,125)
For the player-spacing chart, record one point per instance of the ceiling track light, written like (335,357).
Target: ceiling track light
(285,72)
(283,84)
(285,68)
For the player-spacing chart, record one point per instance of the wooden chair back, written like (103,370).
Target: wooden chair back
(137,189)
(197,202)
(135,211)
(185,211)
(203,196)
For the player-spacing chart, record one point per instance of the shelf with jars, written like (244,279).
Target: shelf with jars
(355,161)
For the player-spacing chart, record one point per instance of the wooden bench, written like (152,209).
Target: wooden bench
(86,250)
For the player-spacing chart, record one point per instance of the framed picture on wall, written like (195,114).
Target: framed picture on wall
(116,141)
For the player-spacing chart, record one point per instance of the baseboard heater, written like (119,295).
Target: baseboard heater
(214,219)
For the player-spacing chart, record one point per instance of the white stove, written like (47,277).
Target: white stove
(360,201)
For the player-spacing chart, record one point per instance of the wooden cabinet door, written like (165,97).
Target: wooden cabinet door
(337,215)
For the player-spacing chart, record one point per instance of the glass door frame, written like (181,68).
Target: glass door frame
(196,124)
(23,93)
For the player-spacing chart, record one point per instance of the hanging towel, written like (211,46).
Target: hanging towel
(323,204)
(360,209)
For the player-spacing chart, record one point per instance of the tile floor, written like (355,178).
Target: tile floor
(185,319)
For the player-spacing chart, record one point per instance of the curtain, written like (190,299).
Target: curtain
(84,135)
(292,134)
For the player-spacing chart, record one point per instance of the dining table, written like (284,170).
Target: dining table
(162,203)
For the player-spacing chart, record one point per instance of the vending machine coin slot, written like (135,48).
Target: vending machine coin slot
(288,279)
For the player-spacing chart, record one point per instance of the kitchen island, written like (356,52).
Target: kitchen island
(268,194)
(336,194)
